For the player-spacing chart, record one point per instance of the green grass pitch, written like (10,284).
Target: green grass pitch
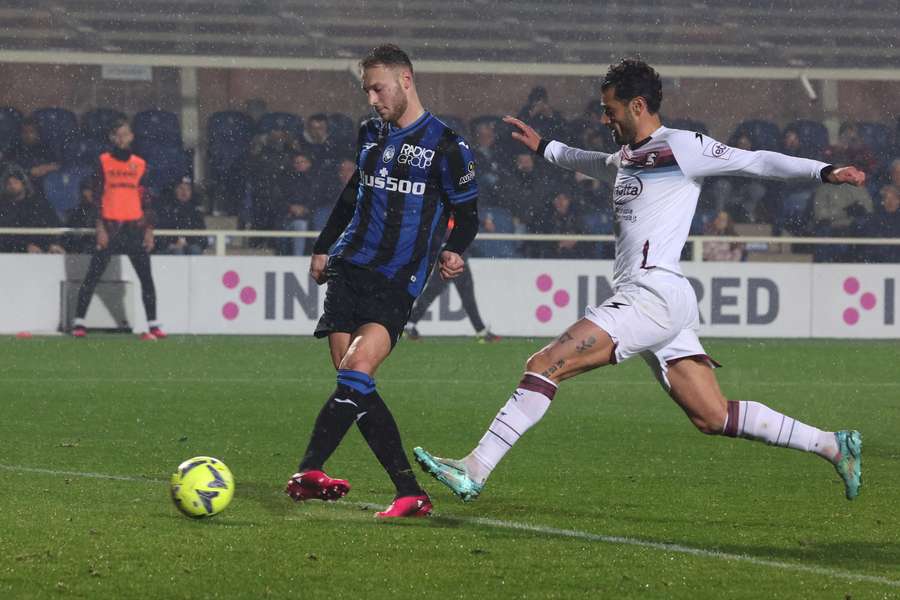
(612,495)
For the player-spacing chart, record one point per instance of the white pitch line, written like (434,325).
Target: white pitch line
(86,474)
(390,381)
(546,531)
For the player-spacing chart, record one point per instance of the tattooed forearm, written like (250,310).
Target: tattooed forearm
(585,344)
(554,368)
(565,337)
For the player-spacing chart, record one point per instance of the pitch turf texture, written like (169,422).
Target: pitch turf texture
(613,495)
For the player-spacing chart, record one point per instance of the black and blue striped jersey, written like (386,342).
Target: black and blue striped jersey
(408,181)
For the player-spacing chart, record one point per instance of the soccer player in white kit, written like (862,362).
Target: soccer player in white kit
(653,311)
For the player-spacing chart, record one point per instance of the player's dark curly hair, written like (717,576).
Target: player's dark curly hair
(631,78)
(389,55)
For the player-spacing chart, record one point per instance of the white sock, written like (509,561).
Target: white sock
(755,421)
(523,409)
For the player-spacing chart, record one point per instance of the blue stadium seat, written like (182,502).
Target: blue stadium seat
(10,125)
(61,187)
(503,223)
(280,121)
(57,126)
(83,151)
(687,125)
(765,135)
(95,124)
(320,217)
(158,126)
(228,135)
(165,165)
(813,137)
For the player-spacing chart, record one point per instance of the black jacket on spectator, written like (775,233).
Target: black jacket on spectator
(31,211)
(29,157)
(180,215)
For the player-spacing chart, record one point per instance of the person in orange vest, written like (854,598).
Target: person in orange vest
(124,226)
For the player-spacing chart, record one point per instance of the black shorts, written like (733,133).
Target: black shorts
(125,237)
(357,296)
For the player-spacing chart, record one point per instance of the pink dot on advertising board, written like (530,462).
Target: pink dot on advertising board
(248,295)
(851,316)
(230,311)
(543,313)
(231,280)
(544,282)
(851,285)
(867,301)
(561,298)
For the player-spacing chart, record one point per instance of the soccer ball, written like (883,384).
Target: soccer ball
(202,487)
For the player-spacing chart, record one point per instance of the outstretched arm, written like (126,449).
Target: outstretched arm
(701,156)
(595,164)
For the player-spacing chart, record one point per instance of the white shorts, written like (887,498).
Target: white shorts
(655,316)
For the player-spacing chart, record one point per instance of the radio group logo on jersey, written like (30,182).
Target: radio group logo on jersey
(415,156)
(628,187)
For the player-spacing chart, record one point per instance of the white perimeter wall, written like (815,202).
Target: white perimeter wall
(269,295)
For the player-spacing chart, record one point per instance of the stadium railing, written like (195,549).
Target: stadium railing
(222,237)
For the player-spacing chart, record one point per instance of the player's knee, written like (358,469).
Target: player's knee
(710,423)
(356,361)
(538,362)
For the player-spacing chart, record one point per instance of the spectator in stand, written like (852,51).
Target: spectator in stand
(300,192)
(526,192)
(31,153)
(792,200)
(83,216)
(316,143)
(893,173)
(722,251)
(559,216)
(851,149)
(267,164)
(883,223)
(836,211)
(179,209)
(743,197)
(22,206)
(541,115)
(491,160)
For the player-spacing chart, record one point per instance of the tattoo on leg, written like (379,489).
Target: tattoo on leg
(565,337)
(554,368)
(585,344)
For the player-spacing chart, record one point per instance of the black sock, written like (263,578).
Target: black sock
(332,424)
(381,433)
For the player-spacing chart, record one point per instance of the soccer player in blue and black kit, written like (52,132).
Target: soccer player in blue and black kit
(376,252)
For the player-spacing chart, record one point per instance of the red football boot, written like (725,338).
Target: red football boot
(315,485)
(79,331)
(407,506)
(158,333)
(148,337)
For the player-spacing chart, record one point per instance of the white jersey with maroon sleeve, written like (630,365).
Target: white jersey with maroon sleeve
(657,186)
